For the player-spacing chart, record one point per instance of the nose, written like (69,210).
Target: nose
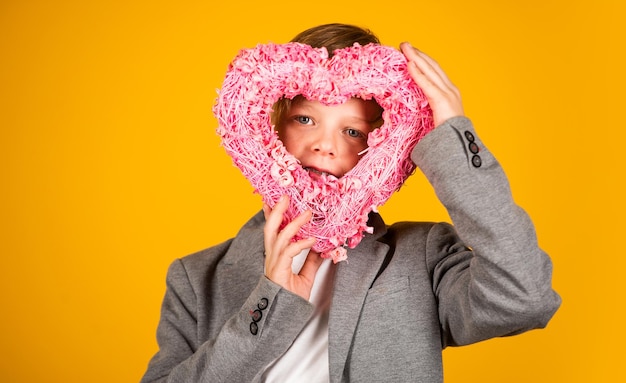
(324,143)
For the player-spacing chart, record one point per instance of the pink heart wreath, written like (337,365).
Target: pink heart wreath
(260,76)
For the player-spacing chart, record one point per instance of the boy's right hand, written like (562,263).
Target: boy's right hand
(280,249)
(443,96)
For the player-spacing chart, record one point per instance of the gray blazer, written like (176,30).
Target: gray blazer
(407,291)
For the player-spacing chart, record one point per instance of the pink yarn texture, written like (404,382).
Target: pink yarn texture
(258,77)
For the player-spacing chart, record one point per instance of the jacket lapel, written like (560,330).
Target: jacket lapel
(352,282)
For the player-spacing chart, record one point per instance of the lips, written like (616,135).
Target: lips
(318,173)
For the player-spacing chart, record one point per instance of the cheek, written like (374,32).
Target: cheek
(354,147)
(289,139)
(352,156)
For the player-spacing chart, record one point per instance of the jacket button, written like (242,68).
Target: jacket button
(256,315)
(262,304)
(476,161)
(473,147)
(254,328)
(469,136)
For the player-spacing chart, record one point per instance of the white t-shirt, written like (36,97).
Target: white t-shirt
(307,358)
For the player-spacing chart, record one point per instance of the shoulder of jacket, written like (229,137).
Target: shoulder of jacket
(404,227)
(203,259)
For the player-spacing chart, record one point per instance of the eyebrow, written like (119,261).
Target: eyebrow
(302,104)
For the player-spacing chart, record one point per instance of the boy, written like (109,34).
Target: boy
(260,307)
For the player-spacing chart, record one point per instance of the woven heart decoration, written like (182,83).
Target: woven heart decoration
(257,78)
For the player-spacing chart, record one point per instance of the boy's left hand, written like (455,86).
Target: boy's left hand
(443,96)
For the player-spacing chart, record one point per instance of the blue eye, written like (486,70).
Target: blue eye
(305,120)
(354,133)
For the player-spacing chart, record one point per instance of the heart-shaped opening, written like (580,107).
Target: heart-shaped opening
(328,140)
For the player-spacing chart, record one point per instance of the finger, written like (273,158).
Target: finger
(283,259)
(279,245)
(427,65)
(280,207)
(425,83)
(285,237)
(427,71)
(311,266)
(420,73)
(266,211)
(424,62)
(273,219)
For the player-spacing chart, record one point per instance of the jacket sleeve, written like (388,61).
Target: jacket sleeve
(263,329)
(492,279)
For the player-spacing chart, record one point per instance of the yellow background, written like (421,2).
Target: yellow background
(111,168)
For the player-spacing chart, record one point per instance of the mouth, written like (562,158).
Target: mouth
(318,172)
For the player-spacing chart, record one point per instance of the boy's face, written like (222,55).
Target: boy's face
(328,139)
